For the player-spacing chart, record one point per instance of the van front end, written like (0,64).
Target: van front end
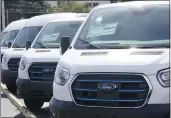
(10,64)
(104,83)
(36,75)
(38,64)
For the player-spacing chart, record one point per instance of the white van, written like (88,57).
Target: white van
(117,64)
(11,58)
(9,34)
(38,64)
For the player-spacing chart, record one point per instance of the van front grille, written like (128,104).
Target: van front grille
(130,90)
(41,71)
(13,64)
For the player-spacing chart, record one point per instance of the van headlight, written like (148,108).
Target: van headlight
(61,75)
(23,64)
(164,77)
(4,59)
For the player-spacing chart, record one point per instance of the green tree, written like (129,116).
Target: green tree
(30,8)
(71,7)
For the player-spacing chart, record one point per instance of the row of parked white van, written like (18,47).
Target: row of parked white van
(112,62)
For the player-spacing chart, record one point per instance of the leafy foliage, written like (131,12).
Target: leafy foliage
(30,8)
(71,7)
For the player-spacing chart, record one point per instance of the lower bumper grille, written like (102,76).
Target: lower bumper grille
(42,71)
(13,64)
(96,90)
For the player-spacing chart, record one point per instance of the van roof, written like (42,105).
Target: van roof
(69,19)
(41,20)
(131,3)
(16,25)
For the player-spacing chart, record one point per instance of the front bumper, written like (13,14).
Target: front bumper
(150,110)
(34,90)
(8,77)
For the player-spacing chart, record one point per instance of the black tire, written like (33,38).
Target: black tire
(51,115)
(18,93)
(12,88)
(33,104)
(60,114)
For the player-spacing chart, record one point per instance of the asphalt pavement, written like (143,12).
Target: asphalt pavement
(9,110)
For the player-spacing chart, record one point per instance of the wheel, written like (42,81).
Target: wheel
(18,93)
(11,88)
(51,115)
(33,104)
(60,114)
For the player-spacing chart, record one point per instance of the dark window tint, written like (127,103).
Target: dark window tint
(127,25)
(10,37)
(52,33)
(2,36)
(26,34)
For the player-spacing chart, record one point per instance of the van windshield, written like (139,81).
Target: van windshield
(121,27)
(51,34)
(26,34)
(10,37)
(2,36)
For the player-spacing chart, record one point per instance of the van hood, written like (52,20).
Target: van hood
(42,55)
(15,52)
(147,61)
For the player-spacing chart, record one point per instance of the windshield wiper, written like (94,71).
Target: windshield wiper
(152,46)
(41,44)
(90,46)
(16,46)
(117,46)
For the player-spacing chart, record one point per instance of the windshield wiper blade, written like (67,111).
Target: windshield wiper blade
(91,46)
(117,46)
(41,44)
(16,45)
(152,46)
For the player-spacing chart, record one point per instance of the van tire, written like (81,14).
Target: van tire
(33,104)
(60,114)
(11,88)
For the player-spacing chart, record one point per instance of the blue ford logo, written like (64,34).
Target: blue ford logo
(48,70)
(107,87)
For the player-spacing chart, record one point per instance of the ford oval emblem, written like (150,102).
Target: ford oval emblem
(107,87)
(48,70)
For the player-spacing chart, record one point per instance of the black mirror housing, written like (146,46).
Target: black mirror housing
(28,44)
(9,44)
(65,43)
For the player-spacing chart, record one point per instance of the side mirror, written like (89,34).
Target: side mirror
(9,44)
(65,43)
(28,44)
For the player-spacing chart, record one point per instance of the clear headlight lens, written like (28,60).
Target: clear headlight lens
(61,75)
(23,64)
(4,59)
(164,77)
